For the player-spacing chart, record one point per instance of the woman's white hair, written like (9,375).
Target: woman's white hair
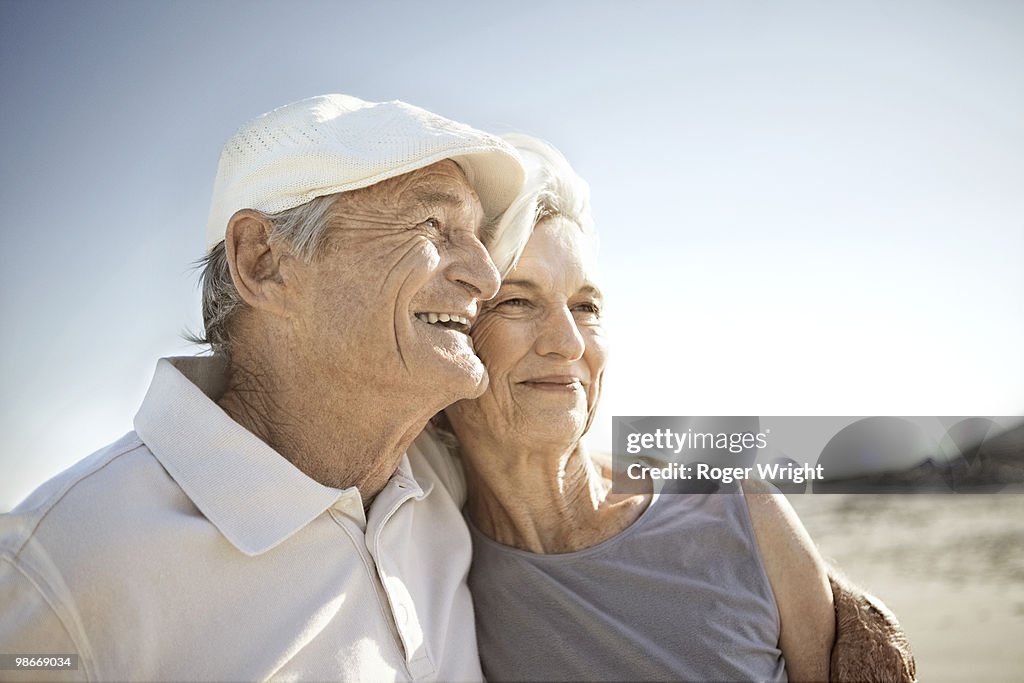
(551,189)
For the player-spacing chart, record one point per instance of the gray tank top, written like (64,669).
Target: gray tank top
(679,595)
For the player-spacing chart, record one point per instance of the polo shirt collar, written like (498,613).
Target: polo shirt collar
(253,495)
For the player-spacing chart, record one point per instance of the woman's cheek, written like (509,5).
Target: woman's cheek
(483,337)
(597,348)
(502,342)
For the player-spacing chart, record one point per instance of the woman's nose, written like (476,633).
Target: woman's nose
(560,336)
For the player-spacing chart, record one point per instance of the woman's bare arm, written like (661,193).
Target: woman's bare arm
(799,580)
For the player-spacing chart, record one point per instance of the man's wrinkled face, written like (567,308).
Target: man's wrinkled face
(390,300)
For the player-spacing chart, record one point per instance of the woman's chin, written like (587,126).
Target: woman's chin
(556,428)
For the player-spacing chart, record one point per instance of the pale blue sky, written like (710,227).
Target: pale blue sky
(805,208)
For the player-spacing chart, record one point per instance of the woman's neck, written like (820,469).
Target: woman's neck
(544,500)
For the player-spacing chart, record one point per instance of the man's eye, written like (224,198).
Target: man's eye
(513,303)
(430,224)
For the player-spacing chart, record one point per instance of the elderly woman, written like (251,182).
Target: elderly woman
(570,581)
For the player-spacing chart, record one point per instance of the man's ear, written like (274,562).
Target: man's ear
(255,264)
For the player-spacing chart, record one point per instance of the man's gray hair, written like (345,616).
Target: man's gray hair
(303,229)
(551,189)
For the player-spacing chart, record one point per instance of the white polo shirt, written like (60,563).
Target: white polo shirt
(191,550)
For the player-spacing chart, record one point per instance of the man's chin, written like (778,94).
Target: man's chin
(482,383)
(463,377)
(475,378)
(450,366)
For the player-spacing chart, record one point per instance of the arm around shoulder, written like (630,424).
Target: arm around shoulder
(799,579)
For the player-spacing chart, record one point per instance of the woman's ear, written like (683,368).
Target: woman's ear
(255,263)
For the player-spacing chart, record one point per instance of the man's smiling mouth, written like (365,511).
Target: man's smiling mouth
(451,321)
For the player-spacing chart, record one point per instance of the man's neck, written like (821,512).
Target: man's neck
(338,436)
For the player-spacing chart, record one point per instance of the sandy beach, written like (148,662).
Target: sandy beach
(950,566)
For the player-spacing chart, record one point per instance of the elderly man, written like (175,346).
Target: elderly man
(263,519)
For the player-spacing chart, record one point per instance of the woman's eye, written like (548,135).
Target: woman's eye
(430,224)
(513,303)
(589,308)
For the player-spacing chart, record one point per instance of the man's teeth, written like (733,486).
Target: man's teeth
(442,317)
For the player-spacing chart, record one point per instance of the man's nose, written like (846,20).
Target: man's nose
(559,335)
(472,268)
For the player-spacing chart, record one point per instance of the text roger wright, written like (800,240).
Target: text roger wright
(797,474)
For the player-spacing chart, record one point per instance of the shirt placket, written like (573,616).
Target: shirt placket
(349,515)
(403,608)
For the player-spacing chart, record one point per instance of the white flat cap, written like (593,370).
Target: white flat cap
(336,143)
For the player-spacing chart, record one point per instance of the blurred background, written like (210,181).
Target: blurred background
(805,209)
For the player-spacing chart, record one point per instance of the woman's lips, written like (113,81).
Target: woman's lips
(560,383)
